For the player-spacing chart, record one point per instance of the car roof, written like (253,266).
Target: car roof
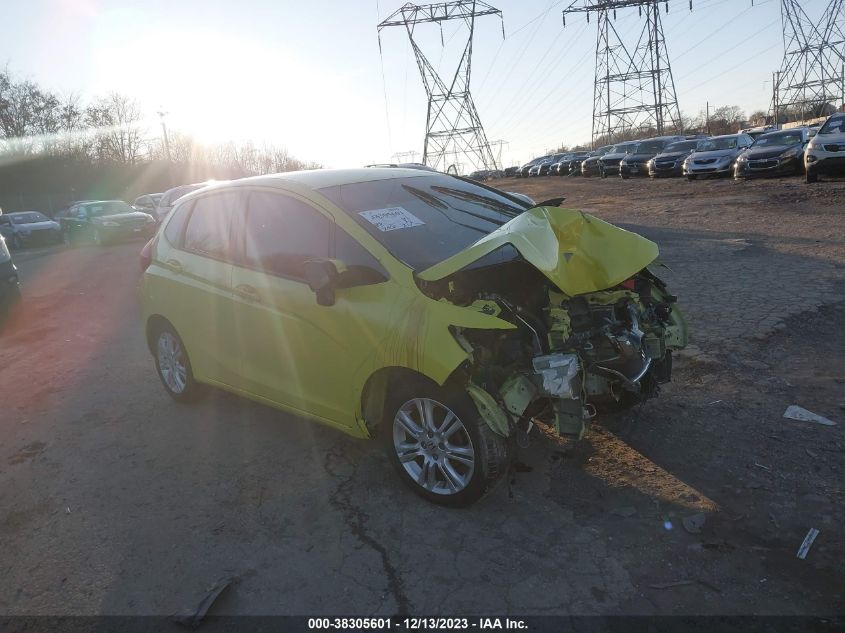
(321,178)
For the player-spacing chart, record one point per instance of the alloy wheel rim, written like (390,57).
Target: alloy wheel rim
(433,446)
(171,363)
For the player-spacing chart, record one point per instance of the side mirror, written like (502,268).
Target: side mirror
(321,276)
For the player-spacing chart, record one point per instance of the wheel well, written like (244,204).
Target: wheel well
(378,386)
(155,324)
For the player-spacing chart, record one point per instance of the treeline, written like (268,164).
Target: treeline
(58,148)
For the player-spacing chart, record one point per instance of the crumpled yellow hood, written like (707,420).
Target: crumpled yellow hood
(577,252)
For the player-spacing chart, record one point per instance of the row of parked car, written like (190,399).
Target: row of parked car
(92,221)
(807,150)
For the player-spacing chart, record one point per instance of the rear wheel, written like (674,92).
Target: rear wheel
(440,446)
(173,365)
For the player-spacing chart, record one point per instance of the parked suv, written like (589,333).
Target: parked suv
(427,310)
(774,154)
(826,151)
(716,156)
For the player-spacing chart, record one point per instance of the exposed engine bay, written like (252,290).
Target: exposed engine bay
(569,357)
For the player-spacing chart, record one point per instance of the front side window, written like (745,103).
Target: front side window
(282,233)
(176,224)
(208,230)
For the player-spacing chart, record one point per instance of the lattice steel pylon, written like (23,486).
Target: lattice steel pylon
(452,124)
(812,75)
(634,91)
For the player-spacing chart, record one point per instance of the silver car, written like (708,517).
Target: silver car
(716,156)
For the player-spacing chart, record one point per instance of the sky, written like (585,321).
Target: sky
(311,77)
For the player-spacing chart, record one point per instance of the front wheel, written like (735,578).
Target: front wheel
(440,446)
(811,175)
(691,177)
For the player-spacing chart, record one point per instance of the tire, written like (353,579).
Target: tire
(691,177)
(16,243)
(98,238)
(454,470)
(624,176)
(811,176)
(173,365)
(602,173)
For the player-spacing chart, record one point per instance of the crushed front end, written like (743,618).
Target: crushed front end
(572,355)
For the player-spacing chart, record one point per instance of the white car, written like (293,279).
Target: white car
(826,151)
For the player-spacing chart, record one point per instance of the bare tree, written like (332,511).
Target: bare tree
(117,121)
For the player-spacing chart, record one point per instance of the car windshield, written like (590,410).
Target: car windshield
(424,220)
(783,138)
(650,147)
(30,217)
(681,146)
(711,144)
(110,207)
(625,148)
(834,125)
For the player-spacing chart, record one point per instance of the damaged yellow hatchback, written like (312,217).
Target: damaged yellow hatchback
(437,313)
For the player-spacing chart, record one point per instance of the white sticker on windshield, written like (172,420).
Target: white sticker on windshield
(391,218)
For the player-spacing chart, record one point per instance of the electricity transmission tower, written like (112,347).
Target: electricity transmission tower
(812,75)
(452,124)
(634,91)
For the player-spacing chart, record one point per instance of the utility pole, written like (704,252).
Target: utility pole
(452,122)
(634,90)
(707,118)
(164,132)
(809,77)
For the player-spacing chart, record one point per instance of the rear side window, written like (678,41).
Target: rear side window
(208,230)
(176,225)
(281,233)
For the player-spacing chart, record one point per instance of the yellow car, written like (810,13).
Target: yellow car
(440,314)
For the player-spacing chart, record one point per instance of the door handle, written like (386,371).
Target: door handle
(245,291)
(174,265)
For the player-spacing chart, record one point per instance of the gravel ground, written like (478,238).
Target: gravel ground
(116,500)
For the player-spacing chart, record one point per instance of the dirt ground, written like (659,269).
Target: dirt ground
(116,500)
